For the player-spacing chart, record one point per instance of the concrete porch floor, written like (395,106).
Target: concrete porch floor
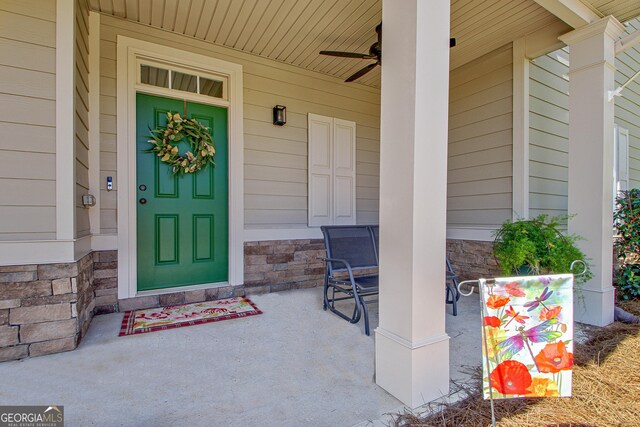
(293,365)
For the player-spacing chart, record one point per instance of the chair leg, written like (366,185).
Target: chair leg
(357,311)
(329,303)
(355,315)
(454,303)
(325,303)
(359,307)
(452,297)
(366,317)
(455,296)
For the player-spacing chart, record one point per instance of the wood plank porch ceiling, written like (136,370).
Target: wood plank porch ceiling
(294,31)
(624,10)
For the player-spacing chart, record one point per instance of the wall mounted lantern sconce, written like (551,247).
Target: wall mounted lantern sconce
(279,115)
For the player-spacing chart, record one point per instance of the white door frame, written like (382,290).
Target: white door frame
(129,52)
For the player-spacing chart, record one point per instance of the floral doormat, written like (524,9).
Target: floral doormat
(177,316)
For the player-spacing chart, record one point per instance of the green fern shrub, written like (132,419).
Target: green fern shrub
(537,246)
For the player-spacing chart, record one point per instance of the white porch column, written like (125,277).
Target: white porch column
(520,169)
(591,76)
(412,348)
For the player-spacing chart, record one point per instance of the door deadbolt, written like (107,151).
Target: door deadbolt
(143,187)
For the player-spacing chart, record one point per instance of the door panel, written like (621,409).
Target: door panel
(203,184)
(167,247)
(182,226)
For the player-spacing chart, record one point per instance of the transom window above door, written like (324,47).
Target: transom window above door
(162,76)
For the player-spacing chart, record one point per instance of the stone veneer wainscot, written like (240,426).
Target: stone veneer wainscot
(472,259)
(47,308)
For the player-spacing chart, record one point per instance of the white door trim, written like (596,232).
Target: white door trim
(128,50)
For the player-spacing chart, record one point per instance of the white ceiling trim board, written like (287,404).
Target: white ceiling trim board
(573,12)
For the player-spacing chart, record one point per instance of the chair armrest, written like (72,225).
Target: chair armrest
(346,264)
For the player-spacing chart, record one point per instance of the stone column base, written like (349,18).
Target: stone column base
(44,309)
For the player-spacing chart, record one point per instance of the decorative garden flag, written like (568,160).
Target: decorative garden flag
(528,331)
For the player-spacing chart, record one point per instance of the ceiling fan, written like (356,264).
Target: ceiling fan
(375,52)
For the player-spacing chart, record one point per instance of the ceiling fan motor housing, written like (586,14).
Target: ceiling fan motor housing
(375,52)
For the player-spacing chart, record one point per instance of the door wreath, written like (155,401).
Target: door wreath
(165,141)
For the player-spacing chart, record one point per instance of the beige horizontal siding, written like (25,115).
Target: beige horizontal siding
(26,27)
(549,133)
(27,120)
(627,106)
(27,220)
(479,192)
(275,170)
(108,107)
(40,9)
(28,192)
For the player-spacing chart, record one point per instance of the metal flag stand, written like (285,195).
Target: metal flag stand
(481,283)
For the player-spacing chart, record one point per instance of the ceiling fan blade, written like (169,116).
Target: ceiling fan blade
(346,54)
(361,73)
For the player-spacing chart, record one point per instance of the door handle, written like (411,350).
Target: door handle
(143,201)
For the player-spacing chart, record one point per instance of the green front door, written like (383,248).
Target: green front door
(182,221)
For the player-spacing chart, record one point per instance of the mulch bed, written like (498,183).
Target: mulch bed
(606,390)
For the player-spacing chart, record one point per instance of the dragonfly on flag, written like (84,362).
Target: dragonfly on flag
(532,305)
(540,333)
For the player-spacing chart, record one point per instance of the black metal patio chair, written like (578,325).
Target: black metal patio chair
(355,248)
(452,288)
(350,248)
